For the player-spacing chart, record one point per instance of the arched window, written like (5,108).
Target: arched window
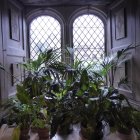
(45,33)
(88,38)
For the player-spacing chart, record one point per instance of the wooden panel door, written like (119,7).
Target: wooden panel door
(2,73)
(13,45)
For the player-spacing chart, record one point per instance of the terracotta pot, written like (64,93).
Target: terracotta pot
(62,131)
(90,134)
(24,134)
(44,133)
(83,133)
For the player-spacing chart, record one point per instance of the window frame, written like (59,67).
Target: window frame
(87,10)
(44,12)
(66,26)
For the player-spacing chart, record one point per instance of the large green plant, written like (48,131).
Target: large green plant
(114,106)
(110,103)
(76,106)
(40,87)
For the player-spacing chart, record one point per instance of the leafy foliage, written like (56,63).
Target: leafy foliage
(59,94)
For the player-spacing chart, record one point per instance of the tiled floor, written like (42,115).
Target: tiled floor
(108,136)
(75,135)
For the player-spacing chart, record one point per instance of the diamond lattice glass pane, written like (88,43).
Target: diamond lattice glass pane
(88,39)
(45,33)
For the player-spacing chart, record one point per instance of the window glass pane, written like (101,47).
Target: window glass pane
(45,33)
(88,39)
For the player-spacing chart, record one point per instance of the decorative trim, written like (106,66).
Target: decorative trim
(120,24)
(14,23)
(15,74)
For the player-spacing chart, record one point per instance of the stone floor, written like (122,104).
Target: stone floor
(107,135)
(75,135)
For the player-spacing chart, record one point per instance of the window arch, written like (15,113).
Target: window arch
(45,31)
(88,35)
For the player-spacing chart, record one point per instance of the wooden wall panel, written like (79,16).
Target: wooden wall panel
(13,43)
(16,73)
(137,22)
(1,57)
(15,46)
(15,25)
(122,26)
(125,31)
(136,59)
(136,75)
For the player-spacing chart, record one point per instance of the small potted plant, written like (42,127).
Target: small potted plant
(23,113)
(18,116)
(40,120)
(124,119)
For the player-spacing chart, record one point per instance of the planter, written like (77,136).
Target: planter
(43,133)
(126,136)
(64,130)
(24,134)
(86,134)
(90,134)
(83,133)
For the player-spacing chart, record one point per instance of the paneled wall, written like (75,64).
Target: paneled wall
(136,59)
(1,56)
(124,31)
(12,45)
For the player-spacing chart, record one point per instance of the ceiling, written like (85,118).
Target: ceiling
(64,2)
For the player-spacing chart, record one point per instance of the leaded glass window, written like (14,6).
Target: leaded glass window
(45,33)
(88,39)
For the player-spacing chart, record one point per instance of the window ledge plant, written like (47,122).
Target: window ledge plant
(83,98)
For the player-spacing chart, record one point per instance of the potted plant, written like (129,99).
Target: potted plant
(76,106)
(34,93)
(110,104)
(40,118)
(22,113)
(35,90)
(123,117)
(36,104)
(17,115)
(117,111)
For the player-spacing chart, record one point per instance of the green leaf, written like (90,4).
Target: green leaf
(79,93)
(84,81)
(22,95)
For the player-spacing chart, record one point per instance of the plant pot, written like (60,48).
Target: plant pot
(64,130)
(43,133)
(90,134)
(86,133)
(130,135)
(24,134)
(83,133)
